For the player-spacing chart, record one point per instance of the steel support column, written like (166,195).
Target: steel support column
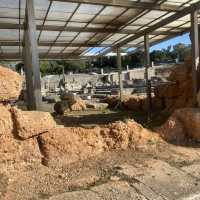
(31,59)
(119,66)
(29,79)
(147,65)
(195,52)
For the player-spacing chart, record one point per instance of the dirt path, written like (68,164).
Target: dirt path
(166,173)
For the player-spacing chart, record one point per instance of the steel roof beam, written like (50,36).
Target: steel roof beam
(87,30)
(184,12)
(17,56)
(126,4)
(58,44)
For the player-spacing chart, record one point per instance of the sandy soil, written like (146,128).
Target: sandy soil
(40,182)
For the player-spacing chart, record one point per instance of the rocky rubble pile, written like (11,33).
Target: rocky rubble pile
(182,125)
(27,137)
(12,150)
(134,102)
(10,84)
(62,146)
(69,102)
(178,93)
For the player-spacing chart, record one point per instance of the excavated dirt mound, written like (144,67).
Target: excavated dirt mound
(63,146)
(178,93)
(182,125)
(69,103)
(173,130)
(10,84)
(31,123)
(13,151)
(134,102)
(74,102)
(6,123)
(190,118)
(112,101)
(78,105)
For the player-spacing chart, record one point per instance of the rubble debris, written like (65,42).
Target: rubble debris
(61,107)
(75,102)
(10,84)
(190,117)
(27,137)
(96,106)
(173,130)
(63,146)
(182,125)
(6,123)
(78,105)
(134,102)
(178,93)
(70,102)
(112,100)
(14,152)
(31,123)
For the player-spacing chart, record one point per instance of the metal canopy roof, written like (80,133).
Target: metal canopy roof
(73,28)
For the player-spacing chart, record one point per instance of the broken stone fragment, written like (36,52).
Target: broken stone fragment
(6,123)
(190,117)
(178,92)
(13,151)
(183,124)
(97,106)
(10,84)
(173,130)
(62,146)
(31,123)
(79,105)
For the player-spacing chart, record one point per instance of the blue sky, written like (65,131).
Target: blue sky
(180,39)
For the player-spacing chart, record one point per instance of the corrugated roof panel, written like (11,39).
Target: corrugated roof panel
(69,49)
(63,7)
(43,49)
(9,49)
(7,34)
(89,9)
(65,39)
(78,17)
(63,13)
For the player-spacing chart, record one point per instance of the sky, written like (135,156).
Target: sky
(185,39)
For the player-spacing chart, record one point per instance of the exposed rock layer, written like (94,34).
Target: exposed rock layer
(6,123)
(10,84)
(183,124)
(31,123)
(67,145)
(178,93)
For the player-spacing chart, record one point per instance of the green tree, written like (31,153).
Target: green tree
(181,51)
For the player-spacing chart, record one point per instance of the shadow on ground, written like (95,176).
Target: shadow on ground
(93,118)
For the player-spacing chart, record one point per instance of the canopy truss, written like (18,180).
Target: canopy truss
(79,28)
